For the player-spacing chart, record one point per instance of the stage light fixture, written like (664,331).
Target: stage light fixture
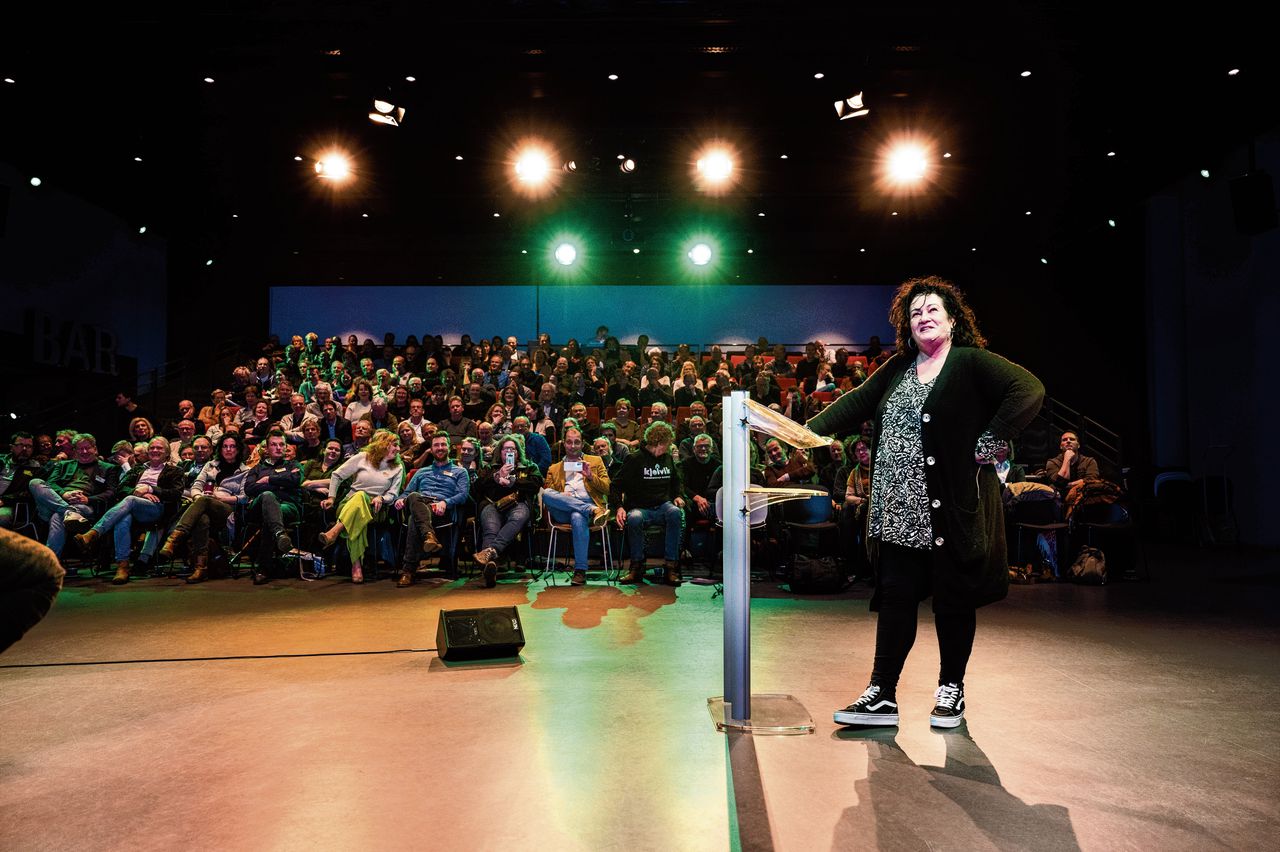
(1111,222)
(715,167)
(700,254)
(565,254)
(532,167)
(1026,74)
(411,79)
(142,230)
(137,159)
(819,76)
(209,262)
(947,155)
(35,181)
(458,157)
(297,159)
(613,76)
(334,166)
(1204,173)
(1045,261)
(571,166)
(852,107)
(627,166)
(208,79)
(783,157)
(385,112)
(1111,153)
(1232,73)
(907,163)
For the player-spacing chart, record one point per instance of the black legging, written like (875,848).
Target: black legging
(904,580)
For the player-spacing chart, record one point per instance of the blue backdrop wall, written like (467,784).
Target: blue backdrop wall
(669,314)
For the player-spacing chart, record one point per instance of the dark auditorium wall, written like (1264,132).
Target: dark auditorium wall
(1213,299)
(83,293)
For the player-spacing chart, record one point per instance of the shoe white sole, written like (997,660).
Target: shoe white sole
(945,721)
(887,720)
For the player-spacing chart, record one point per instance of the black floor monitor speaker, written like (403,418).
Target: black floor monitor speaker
(479,634)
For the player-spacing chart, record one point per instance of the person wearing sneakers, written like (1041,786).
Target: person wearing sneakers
(436,491)
(274,487)
(576,493)
(942,407)
(647,491)
(504,492)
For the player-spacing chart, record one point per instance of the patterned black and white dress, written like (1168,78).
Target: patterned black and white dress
(899,494)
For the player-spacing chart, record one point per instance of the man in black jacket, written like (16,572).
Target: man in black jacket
(17,469)
(647,492)
(275,487)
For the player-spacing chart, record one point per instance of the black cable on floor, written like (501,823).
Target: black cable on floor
(215,659)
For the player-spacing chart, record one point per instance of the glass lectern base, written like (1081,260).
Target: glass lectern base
(770,714)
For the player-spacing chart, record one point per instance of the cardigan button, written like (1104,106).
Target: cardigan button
(938,541)
(925,417)
(929,460)
(936,503)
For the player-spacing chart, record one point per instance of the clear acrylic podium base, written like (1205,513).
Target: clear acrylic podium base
(779,715)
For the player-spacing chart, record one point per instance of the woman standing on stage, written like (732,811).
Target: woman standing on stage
(942,406)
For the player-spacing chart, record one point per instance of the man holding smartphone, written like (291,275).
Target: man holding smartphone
(576,493)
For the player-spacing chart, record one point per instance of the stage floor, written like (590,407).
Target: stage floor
(1141,716)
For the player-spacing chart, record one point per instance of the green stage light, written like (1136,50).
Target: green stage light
(566,254)
(700,254)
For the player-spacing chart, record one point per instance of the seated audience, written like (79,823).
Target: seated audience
(76,490)
(577,493)
(218,487)
(505,491)
(435,494)
(17,470)
(647,492)
(376,475)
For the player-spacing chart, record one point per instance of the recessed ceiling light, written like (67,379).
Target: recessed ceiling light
(862,250)
(761,215)
(209,262)
(142,230)
(751,251)
(1111,222)
(208,79)
(975,248)
(235,215)
(411,79)
(137,159)
(1233,72)
(458,157)
(1204,173)
(497,215)
(783,157)
(10,80)
(946,156)
(297,159)
(622,156)
(1026,74)
(364,215)
(613,76)
(1044,260)
(635,251)
(35,181)
(819,76)
(1028,212)
(1111,153)
(895,213)
(524,251)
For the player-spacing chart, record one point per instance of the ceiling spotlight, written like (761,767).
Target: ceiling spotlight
(364,215)
(385,112)
(411,79)
(627,166)
(751,251)
(1025,74)
(716,166)
(862,251)
(907,164)
(783,157)
(1044,260)
(35,181)
(524,251)
(1111,222)
(566,254)
(235,215)
(208,79)
(975,248)
(819,76)
(333,167)
(946,156)
(1204,173)
(1028,212)
(458,157)
(297,159)
(532,167)
(497,215)
(571,165)
(761,215)
(209,262)
(1111,153)
(1232,73)
(137,159)
(613,76)
(635,251)
(853,107)
(894,213)
(700,254)
(142,230)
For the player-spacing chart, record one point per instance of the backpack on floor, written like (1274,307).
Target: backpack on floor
(1090,567)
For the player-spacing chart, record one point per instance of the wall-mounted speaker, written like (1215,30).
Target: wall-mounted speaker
(479,634)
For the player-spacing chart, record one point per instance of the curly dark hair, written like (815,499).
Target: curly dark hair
(966,330)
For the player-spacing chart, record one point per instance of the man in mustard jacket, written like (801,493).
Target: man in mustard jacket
(577,493)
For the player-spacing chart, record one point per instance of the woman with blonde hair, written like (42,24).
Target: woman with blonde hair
(140,429)
(376,474)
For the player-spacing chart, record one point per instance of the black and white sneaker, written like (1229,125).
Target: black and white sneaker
(873,708)
(948,710)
